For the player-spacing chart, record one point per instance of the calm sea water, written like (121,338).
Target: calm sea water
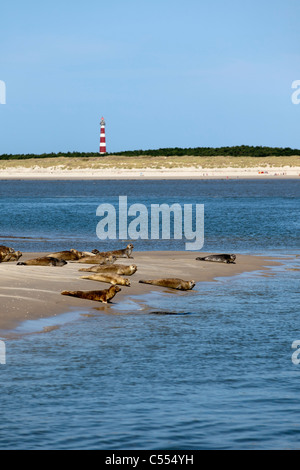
(239,216)
(211,370)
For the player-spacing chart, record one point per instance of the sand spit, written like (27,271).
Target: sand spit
(34,292)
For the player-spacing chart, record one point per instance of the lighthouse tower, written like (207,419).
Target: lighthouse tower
(102,137)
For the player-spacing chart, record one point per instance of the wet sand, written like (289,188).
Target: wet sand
(34,292)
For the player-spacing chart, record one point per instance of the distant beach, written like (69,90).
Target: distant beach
(147,167)
(55,173)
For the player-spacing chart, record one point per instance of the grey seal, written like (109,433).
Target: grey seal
(119,269)
(8,254)
(172,283)
(111,278)
(125,253)
(223,258)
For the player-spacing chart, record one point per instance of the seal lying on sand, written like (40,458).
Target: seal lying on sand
(13,256)
(97,295)
(125,253)
(229,259)
(172,283)
(100,260)
(9,254)
(111,278)
(45,261)
(71,255)
(119,269)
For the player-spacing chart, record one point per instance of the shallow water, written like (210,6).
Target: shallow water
(202,370)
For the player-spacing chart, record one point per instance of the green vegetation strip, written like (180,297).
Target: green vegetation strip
(238,151)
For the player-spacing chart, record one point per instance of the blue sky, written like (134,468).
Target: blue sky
(163,73)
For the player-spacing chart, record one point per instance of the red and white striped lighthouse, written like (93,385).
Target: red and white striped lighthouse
(102,137)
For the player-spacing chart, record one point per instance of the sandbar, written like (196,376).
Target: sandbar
(34,292)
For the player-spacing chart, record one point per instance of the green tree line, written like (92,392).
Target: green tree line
(237,151)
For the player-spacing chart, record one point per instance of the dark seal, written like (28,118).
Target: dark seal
(103,296)
(45,261)
(224,258)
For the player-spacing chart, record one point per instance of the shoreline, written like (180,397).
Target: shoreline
(34,292)
(195,173)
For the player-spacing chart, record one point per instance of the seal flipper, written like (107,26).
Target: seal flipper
(72,294)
